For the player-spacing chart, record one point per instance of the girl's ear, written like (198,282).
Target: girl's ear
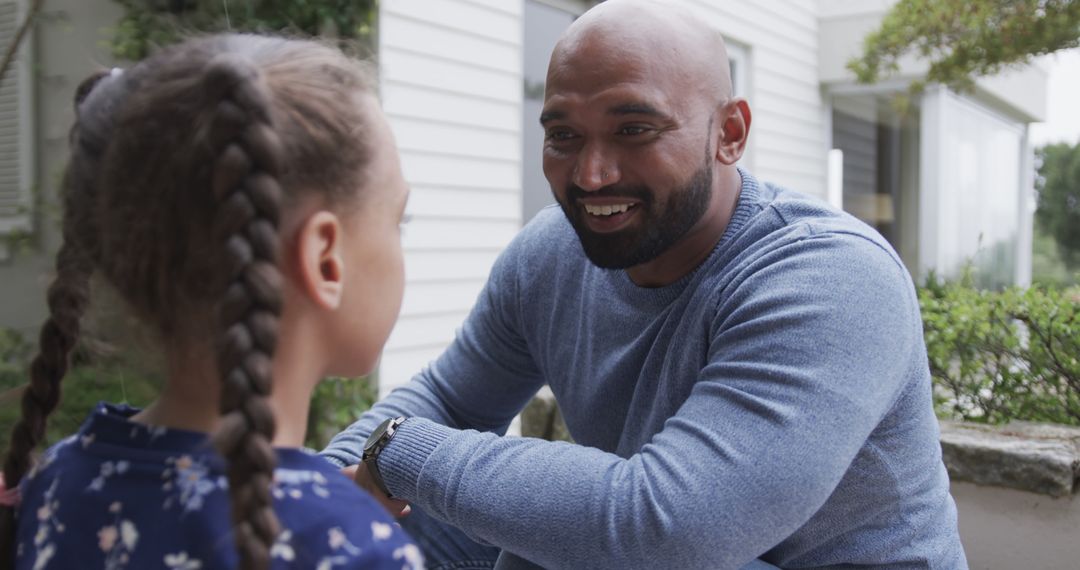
(321,268)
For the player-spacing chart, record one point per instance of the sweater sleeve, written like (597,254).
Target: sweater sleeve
(482,380)
(807,353)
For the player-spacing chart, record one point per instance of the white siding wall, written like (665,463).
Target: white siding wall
(788,133)
(451,79)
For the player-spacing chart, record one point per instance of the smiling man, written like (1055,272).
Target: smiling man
(742,368)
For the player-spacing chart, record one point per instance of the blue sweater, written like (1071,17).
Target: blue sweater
(774,403)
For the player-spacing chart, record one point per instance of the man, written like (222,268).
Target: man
(742,367)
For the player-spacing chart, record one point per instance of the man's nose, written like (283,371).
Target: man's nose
(595,168)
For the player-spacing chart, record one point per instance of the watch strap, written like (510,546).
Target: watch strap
(382,436)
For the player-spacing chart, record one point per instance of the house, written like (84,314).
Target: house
(948,183)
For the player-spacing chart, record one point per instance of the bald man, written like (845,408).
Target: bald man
(742,367)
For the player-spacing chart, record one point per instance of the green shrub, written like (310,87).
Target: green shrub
(337,403)
(998,356)
(101,375)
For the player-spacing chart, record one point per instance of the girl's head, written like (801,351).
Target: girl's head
(232,189)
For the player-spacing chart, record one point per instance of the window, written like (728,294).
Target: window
(880,175)
(739,64)
(544,24)
(979,199)
(16,114)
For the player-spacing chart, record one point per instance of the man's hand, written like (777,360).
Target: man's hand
(359,474)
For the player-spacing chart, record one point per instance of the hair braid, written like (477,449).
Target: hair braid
(67,300)
(244,182)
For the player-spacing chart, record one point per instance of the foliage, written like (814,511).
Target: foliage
(94,376)
(1058,184)
(962,40)
(1005,355)
(337,403)
(147,24)
(101,375)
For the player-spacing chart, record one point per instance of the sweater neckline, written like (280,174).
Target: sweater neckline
(745,208)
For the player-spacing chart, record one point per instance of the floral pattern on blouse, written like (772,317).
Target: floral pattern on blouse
(119,495)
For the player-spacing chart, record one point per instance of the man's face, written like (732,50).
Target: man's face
(627,154)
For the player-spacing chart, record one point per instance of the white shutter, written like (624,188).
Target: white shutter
(16,122)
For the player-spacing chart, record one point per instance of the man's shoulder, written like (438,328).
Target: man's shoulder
(547,240)
(788,216)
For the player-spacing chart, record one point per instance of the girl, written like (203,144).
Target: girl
(243,195)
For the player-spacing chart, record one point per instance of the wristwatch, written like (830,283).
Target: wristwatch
(376,443)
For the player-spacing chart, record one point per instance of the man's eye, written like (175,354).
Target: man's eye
(633,130)
(558,135)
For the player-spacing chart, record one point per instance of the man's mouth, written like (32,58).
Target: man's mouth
(605,218)
(607,210)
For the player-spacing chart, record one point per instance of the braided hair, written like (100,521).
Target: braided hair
(180,172)
(245,185)
(67,300)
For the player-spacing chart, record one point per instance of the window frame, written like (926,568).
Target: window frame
(24,124)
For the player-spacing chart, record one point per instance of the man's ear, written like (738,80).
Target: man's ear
(734,122)
(321,267)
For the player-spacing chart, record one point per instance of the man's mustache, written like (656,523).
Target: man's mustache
(635,192)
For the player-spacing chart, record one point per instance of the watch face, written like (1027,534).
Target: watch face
(376,435)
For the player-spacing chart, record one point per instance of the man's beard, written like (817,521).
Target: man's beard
(657,231)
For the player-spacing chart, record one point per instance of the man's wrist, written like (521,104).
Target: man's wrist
(407,456)
(373,448)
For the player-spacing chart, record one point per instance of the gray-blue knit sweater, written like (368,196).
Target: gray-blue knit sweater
(774,403)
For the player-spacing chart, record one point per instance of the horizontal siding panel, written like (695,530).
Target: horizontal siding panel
(772,62)
(465,234)
(413,69)
(749,24)
(398,366)
(448,266)
(467,17)
(424,103)
(798,76)
(800,132)
(795,53)
(427,136)
(754,18)
(425,331)
(796,93)
(802,164)
(429,169)
(799,13)
(788,147)
(776,106)
(426,299)
(452,89)
(443,43)
(511,7)
(434,202)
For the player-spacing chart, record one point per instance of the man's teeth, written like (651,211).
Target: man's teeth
(607,210)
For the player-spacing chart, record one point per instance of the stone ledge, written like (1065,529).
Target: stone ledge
(1038,458)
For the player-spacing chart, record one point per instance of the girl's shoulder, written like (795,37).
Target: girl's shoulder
(328,521)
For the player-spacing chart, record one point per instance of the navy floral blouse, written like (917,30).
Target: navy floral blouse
(121,495)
